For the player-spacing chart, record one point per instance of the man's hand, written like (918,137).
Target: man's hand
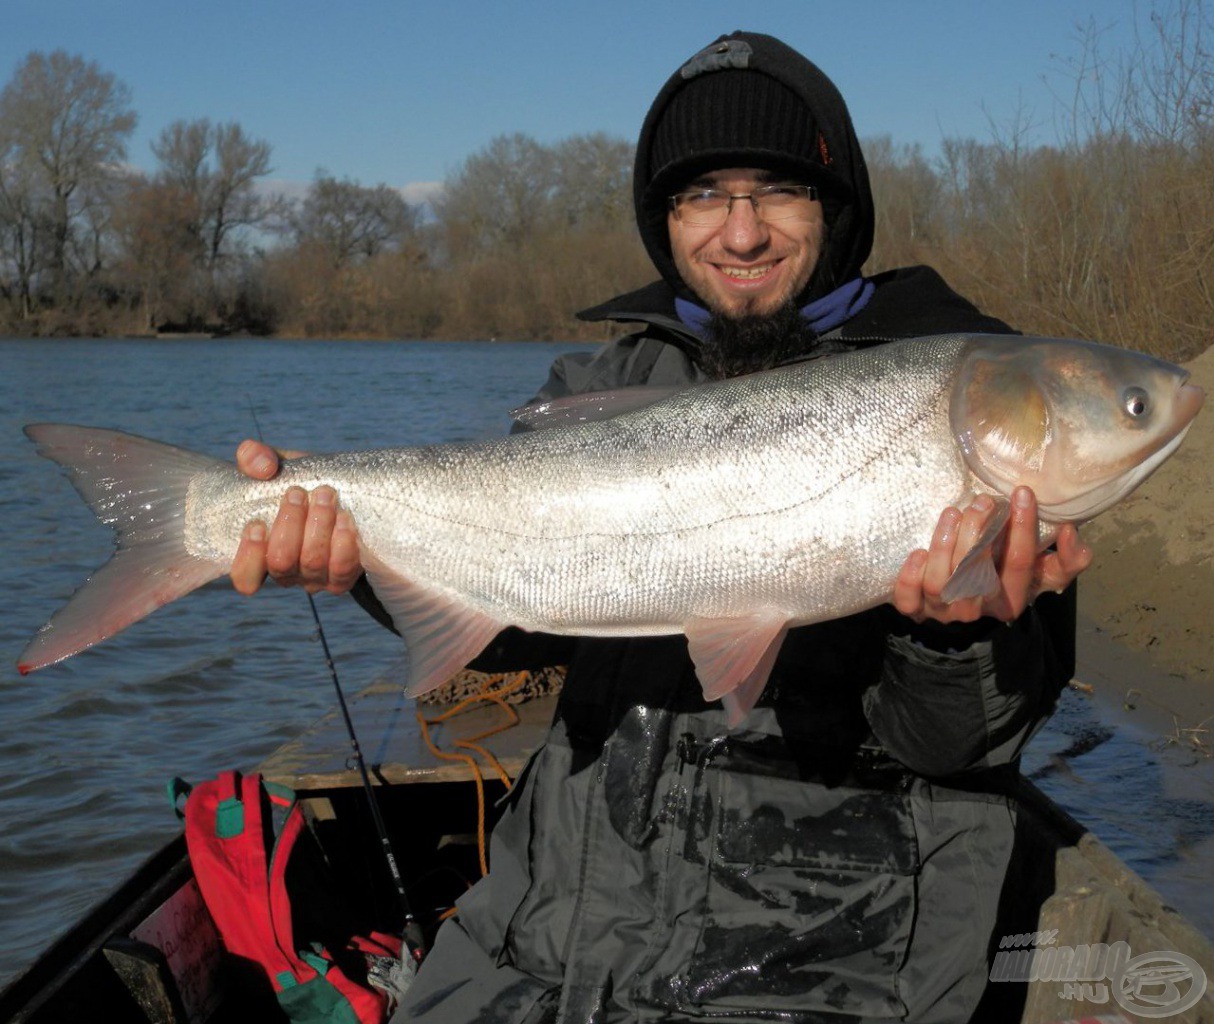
(312,543)
(1023,573)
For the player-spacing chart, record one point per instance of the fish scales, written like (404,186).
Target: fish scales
(728,511)
(757,494)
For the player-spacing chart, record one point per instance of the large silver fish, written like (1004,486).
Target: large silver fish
(728,511)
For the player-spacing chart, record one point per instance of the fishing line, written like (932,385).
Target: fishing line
(412,931)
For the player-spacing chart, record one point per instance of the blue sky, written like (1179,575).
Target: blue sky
(401,92)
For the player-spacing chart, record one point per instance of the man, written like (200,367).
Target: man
(841,855)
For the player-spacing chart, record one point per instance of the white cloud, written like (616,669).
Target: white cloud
(285,187)
(416,193)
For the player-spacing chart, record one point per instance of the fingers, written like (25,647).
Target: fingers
(920,585)
(973,522)
(312,544)
(940,553)
(255,459)
(313,559)
(249,567)
(1027,572)
(1060,567)
(328,554)
(955,536)
(298,552)
(345,561)
(1018,572)
(286,542)
(1023,570)
(908,587)
(1074,557)
(921,581)
(248,571)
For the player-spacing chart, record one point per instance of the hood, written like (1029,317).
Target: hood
(787,116)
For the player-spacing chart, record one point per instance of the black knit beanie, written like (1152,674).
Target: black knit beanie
(748,100)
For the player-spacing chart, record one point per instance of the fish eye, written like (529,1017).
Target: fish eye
(1136,402)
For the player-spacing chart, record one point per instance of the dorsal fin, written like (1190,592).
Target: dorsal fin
(593,406)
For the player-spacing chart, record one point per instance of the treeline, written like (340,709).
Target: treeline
(516,239)
(1107,233)
(519,237)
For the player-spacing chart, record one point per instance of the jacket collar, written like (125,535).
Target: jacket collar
(658,305)
(652,305)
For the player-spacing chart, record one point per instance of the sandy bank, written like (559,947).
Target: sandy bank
(1151,588)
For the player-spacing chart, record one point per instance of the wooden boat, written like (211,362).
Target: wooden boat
(149,952)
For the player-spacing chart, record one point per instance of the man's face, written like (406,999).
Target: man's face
(747,266)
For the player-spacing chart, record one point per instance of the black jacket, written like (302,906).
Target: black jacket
(975,731)
(842,852)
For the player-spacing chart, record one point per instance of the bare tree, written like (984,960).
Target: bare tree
(516,188)
(349,222)
(1122,225)
(533,232)
(501,195)
(217,166)
(63,125)
(908,201)
(1158,89)
(182,150)
(23,231)
(593,181)
(158,247)
(234,201)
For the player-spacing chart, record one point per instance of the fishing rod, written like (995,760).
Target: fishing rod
(412,932)
(412,936)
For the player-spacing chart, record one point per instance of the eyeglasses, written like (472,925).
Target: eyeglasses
(710,207)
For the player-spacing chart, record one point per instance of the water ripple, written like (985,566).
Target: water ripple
(213,681)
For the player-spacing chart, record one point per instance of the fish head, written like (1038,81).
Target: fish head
(1082,424)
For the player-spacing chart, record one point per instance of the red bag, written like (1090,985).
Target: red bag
(241,833)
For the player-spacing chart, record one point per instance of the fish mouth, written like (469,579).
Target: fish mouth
(1091,503)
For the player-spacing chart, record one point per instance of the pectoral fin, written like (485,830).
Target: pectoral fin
(975,575)
(734,657)
(441,635)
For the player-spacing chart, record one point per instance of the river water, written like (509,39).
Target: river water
(215,681)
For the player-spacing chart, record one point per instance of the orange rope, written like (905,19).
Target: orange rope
(486,694)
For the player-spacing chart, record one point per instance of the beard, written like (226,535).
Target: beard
(745,344)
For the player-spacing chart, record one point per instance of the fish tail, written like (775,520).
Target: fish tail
(138,487)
